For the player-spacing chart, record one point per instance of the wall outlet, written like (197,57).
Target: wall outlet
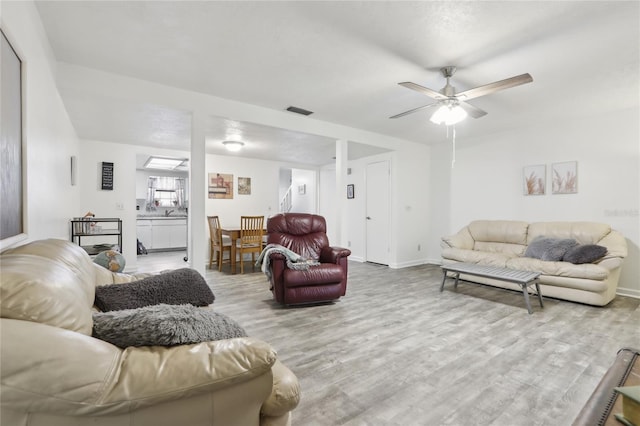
(418,247)
(119,206)
(348,243)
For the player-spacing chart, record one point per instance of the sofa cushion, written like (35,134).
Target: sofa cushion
(551,249)
(582,232)
(164,325)
(499,231)
(47,291)
(474,256)
(175,287)
(585,253)
(66,254)
(589,271)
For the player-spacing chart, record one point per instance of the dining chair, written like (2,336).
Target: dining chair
(251,231)
(218,243)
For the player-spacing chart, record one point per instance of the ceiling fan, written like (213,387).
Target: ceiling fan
(454,106)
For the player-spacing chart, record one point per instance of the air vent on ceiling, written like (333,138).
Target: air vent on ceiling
(299,110)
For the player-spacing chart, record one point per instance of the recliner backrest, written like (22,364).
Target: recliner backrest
(303,233)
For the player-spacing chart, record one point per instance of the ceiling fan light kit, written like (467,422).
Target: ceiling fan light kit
(449,113)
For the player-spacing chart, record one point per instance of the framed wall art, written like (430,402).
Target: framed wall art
(220,185)
(12,226)
(565,177)
(244,186)
(534,179)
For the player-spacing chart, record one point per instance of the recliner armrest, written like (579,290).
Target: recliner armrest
(333,254)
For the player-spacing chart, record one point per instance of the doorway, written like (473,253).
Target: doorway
(377,212)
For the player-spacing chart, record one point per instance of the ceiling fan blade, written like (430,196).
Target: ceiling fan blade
(411,111)
(494,87)
(473,111)
(424,90)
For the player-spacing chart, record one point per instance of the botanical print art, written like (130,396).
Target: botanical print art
(244,186)
(534,179)
(220,185)
(565,177)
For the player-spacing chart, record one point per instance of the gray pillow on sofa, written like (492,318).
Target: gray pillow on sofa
(586,253)
(164,325)
(550,249)
(175,287)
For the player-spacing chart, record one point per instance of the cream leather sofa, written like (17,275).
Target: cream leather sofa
(53,373)
(503,243)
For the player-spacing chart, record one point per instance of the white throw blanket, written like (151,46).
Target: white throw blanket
(294,260)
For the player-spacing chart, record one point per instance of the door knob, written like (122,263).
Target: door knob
(368,217)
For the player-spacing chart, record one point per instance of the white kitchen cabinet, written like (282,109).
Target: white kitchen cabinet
(178,234)
(144,233)
(163,233)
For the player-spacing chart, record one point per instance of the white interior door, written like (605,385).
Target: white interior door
(377,212)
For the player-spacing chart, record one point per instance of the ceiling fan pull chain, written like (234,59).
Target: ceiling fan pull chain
(453,153)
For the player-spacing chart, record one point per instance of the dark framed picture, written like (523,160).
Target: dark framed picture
(350,191)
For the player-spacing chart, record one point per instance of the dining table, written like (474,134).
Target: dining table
(234,234)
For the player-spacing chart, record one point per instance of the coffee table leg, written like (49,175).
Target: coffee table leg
(526,298)
(455,285)
(539,294)
(443,280)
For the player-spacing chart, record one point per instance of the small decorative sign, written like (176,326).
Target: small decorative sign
(350,191)
(107,176)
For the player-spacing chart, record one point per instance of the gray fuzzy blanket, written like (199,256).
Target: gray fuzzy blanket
(164,325)
(175,287)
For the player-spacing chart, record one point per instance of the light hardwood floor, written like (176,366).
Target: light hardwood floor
(396,351)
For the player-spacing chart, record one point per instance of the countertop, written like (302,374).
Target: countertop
(160,217)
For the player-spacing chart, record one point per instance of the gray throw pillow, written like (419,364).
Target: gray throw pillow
(549,249)
(175,287)
(164,325)
(586,253)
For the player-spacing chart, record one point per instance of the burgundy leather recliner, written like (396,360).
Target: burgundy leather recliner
(305,234)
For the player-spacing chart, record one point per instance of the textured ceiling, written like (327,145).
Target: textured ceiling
(343,61)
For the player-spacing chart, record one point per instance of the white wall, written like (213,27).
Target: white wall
(304,200)
(49,138)
(486,182)
(326,200)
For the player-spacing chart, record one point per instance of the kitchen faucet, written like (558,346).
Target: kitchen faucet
(167,212)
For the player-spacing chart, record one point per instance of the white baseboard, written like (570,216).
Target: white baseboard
(629,292)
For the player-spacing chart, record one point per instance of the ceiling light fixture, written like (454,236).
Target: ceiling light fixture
(233,146)
(164,163)
(449,113)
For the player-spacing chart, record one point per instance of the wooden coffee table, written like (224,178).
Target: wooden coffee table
(523,278)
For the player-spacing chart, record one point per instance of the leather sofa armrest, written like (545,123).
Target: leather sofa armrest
(610,263)
(333,254)
(81,375)
(615,243)
(462,240)
(285,394)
